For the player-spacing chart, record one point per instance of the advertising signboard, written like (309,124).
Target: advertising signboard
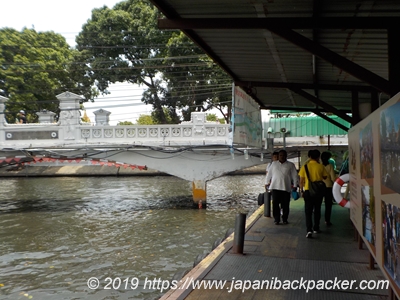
(247,126)
(374,167)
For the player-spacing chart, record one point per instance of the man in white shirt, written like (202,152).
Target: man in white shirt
(274,158)
(281,176)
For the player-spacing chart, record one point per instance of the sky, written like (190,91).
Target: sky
(67,18)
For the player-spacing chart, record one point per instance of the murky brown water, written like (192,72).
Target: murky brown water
(56,233)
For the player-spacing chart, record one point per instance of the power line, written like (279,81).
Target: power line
(107,61)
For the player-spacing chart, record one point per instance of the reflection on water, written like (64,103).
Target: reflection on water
(56,233)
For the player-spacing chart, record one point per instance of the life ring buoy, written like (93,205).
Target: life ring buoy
(337,194)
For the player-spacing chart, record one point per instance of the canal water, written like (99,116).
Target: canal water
(57,233)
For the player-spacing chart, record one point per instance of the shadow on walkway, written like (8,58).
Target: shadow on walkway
(283,253)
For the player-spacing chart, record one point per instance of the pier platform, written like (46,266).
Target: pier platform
(282,252)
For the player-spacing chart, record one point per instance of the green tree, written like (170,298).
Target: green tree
(119,44)
(170,116)
(211,117)
(35,67)
(205,84)
(153,120)
(125,123)
(125,44)
(214,118)
(145,120)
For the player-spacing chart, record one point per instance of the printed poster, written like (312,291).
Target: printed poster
(247,125)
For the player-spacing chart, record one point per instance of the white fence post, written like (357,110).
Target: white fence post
(3,122)
(69,116)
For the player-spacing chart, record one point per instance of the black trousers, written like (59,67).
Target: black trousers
(328,204)
(280,200)
(312,204)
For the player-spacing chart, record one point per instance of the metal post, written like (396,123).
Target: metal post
(355,232)
(360,242)
(267,204)
(371,262)
(284,140)
(238,238)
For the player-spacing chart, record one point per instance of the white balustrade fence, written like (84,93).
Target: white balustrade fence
(70,130)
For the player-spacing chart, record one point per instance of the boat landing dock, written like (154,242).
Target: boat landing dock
(282,252)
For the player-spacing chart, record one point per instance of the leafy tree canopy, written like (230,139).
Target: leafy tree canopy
(35,67)
(152,119)
(214,118)
(125,44)
(125,123)
(145,120)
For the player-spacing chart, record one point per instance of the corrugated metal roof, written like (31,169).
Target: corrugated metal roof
(306,126)
(299,48)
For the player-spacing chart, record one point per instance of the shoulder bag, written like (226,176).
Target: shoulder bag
(315,188)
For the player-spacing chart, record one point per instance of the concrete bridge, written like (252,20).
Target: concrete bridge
(197,151)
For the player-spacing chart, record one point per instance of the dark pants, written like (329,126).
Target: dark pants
(312,204)
(280,200)
(328,204)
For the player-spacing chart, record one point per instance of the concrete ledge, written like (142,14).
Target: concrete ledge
(45,171)
(89,170)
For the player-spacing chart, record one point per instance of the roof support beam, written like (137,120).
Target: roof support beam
(355,110)
(325,117)
(301,109)
(393,56)
(169,12)
(306,86)
(337,60)
(210,52)
(280,23)
(323,104)
(374,100)
(315,31)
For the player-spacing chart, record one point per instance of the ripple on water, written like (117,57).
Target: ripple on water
(58,232)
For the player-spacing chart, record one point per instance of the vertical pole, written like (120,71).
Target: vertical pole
(284,140)
(355,107)
(329,142)
(371,262)
(392,295)
(355,233)
(360,242)
(238,238)
(298,159)
(393,56)
(199,192)
(374,100)
(267,204)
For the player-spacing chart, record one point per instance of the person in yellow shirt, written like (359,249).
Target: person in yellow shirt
(328,197)
(317,172)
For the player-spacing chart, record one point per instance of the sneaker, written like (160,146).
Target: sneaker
(309,235)
(328,224)
(276,223)
(317,231)
(285,222)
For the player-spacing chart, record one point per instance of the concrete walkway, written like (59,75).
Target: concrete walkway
(282,252)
